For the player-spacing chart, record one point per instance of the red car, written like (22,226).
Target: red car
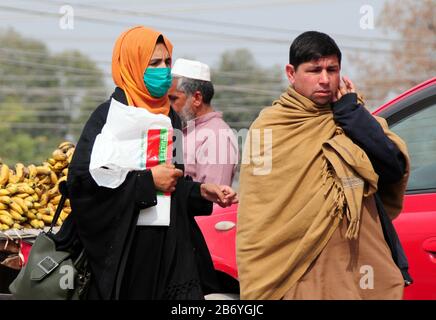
(412,115)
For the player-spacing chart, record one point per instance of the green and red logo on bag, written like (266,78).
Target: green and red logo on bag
(159,148)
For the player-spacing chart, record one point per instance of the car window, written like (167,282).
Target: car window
(419,132)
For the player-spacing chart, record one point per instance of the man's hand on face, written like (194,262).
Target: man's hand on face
(348,87)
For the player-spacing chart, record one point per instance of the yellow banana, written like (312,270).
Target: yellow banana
(70,152)
(36,205)
(35,223)
(3,206)
(16,216)
(4,227)
(51,161)
(51,207)
(5,213)
(63,215)
(60,165)
(29,204)
(30,199)
(65,172)
(53,177)
(44,199)
(56,199)
(17,226)
(5,199)
(4,192)
(22,195)
(47,219)
(4,175)
(32,171)
(53,191)
(15,206)
(25,188)
(46,180)
(30,215)
(35,196)
(43,170)
(66,145)
(38,192)
(12,188)
(13,178)
(67,203)
(44,211)
(6,220)
(19,171)
(21,203)
(59,155)
(67,210)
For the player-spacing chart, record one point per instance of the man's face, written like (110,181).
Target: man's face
(317,80)
(177,97)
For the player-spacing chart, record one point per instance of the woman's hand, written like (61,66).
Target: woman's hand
(165,177)
(223,195)
(348,87)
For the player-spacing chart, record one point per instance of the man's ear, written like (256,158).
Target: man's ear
(197,100)
(290,73)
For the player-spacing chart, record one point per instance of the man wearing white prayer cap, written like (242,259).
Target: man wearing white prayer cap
(209,145)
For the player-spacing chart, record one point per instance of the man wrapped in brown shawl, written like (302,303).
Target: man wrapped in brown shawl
(308,224)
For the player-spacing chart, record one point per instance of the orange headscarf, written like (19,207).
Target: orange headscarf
(131,56)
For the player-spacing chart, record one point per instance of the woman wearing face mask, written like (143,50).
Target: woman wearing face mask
(129,261)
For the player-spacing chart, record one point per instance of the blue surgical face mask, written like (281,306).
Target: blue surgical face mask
(157,81)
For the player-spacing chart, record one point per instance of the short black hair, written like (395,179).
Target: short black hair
(312,45)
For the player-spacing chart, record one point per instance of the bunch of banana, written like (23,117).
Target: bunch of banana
(29,195)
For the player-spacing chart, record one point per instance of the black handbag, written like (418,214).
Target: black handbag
(52,274)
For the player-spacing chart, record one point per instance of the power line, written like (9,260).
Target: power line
(227,74)
(238,25)
(47,66)
(204,33)
(31,125)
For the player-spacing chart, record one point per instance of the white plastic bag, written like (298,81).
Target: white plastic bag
(133,139)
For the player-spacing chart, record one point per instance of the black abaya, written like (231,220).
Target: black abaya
(129,261)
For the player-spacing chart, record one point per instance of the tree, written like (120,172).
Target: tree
(243,88)
(413,57)
(44,97)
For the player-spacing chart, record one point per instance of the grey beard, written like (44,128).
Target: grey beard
(186,115)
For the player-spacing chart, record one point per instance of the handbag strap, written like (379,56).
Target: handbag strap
(64,191)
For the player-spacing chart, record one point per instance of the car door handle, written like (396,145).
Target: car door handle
(429,245)
(224,225)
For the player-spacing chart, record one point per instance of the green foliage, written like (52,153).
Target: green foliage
(243,87)
(44,98)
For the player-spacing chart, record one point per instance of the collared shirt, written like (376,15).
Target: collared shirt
(210,149)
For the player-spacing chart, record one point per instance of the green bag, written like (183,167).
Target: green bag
(52,274)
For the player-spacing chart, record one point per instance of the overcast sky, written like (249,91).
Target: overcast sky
(200,29)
